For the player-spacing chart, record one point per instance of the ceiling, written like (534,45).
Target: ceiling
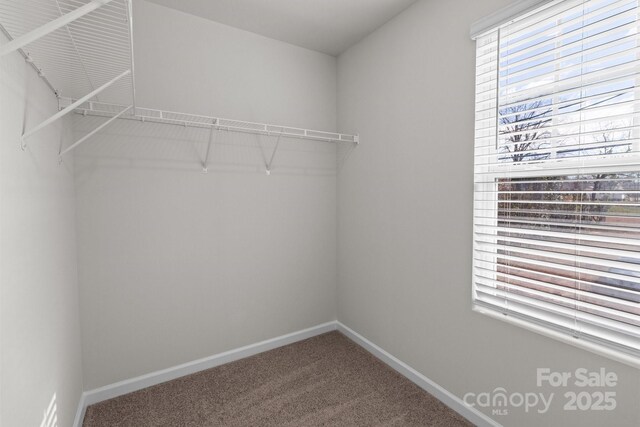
(329,26)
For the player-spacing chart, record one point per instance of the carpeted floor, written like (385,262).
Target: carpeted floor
(327,380)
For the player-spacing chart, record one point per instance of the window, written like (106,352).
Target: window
(557,173)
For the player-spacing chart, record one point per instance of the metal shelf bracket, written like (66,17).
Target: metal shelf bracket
(70,108)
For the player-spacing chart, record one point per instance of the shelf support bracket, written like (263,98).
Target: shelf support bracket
(133,71)
(93,132)
(205,163)
(71,107)
(51,26)
(273,155)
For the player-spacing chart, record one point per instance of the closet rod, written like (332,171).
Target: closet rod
(103,109)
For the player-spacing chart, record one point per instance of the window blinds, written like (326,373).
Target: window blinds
(557,170)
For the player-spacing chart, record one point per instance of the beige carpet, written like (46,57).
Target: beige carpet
(324,381)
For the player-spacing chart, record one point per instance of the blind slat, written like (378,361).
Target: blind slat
(568,298)
(620,296)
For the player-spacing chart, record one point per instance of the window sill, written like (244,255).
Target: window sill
(598,349)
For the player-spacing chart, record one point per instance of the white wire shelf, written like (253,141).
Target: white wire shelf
(81,55)
(83,50)
(104,109)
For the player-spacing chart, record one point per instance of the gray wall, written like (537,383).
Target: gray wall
(405,218)
(174,264)
(40,357)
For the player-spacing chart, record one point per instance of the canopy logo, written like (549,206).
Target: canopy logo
(499,400)
(591,395)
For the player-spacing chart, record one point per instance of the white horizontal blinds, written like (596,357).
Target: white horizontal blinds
(557,170)
(568,87)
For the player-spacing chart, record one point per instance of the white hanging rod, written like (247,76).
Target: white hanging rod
(51,26)
(103,109)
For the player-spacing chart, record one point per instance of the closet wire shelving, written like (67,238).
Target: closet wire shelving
(83,50)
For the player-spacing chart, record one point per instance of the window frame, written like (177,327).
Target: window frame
(509,170)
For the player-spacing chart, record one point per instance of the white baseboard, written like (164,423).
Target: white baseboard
(134,384)
(128,386)
(446,397)
(82,408)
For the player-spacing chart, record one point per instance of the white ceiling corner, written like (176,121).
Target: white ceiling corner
(328,26)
